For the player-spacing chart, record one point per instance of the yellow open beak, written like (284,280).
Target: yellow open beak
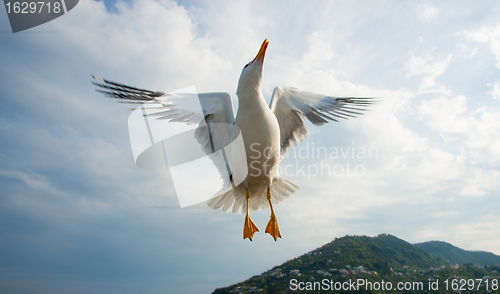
(262,51)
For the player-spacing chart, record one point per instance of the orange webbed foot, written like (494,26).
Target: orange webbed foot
(273,228)
(249,229)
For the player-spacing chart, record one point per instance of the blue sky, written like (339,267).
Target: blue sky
(77,215)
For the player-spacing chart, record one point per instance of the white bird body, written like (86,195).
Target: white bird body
(268,132)
(262,147)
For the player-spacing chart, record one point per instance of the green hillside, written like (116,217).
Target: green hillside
(379,253)
(457,255)
(362,264)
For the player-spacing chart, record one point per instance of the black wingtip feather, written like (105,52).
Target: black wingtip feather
(121,91)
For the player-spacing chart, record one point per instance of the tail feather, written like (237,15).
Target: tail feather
(228,202)
(234,200)
(223,200)
(238,204)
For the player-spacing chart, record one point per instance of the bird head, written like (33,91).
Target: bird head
(251,75)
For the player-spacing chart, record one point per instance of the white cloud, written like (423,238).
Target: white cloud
(491,36)
(473,130)
(437,167)
(486,34)
(466,51)
(34,181)
(495,92)
(427,12)
(480,235)
(424,65)
(470,131)
(157,42)
(320,50)
(480,182)
(445,114)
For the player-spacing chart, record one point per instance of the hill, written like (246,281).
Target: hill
(379,253)
(367,265)
(457,255)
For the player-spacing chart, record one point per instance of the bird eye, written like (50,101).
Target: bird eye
(247,65)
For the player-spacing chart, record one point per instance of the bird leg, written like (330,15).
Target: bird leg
(272,227)
(250,228)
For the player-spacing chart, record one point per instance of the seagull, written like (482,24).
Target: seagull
(268,132)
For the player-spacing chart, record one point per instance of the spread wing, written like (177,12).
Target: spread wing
(214,118)
(291,105)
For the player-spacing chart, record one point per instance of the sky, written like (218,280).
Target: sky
(78,216)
